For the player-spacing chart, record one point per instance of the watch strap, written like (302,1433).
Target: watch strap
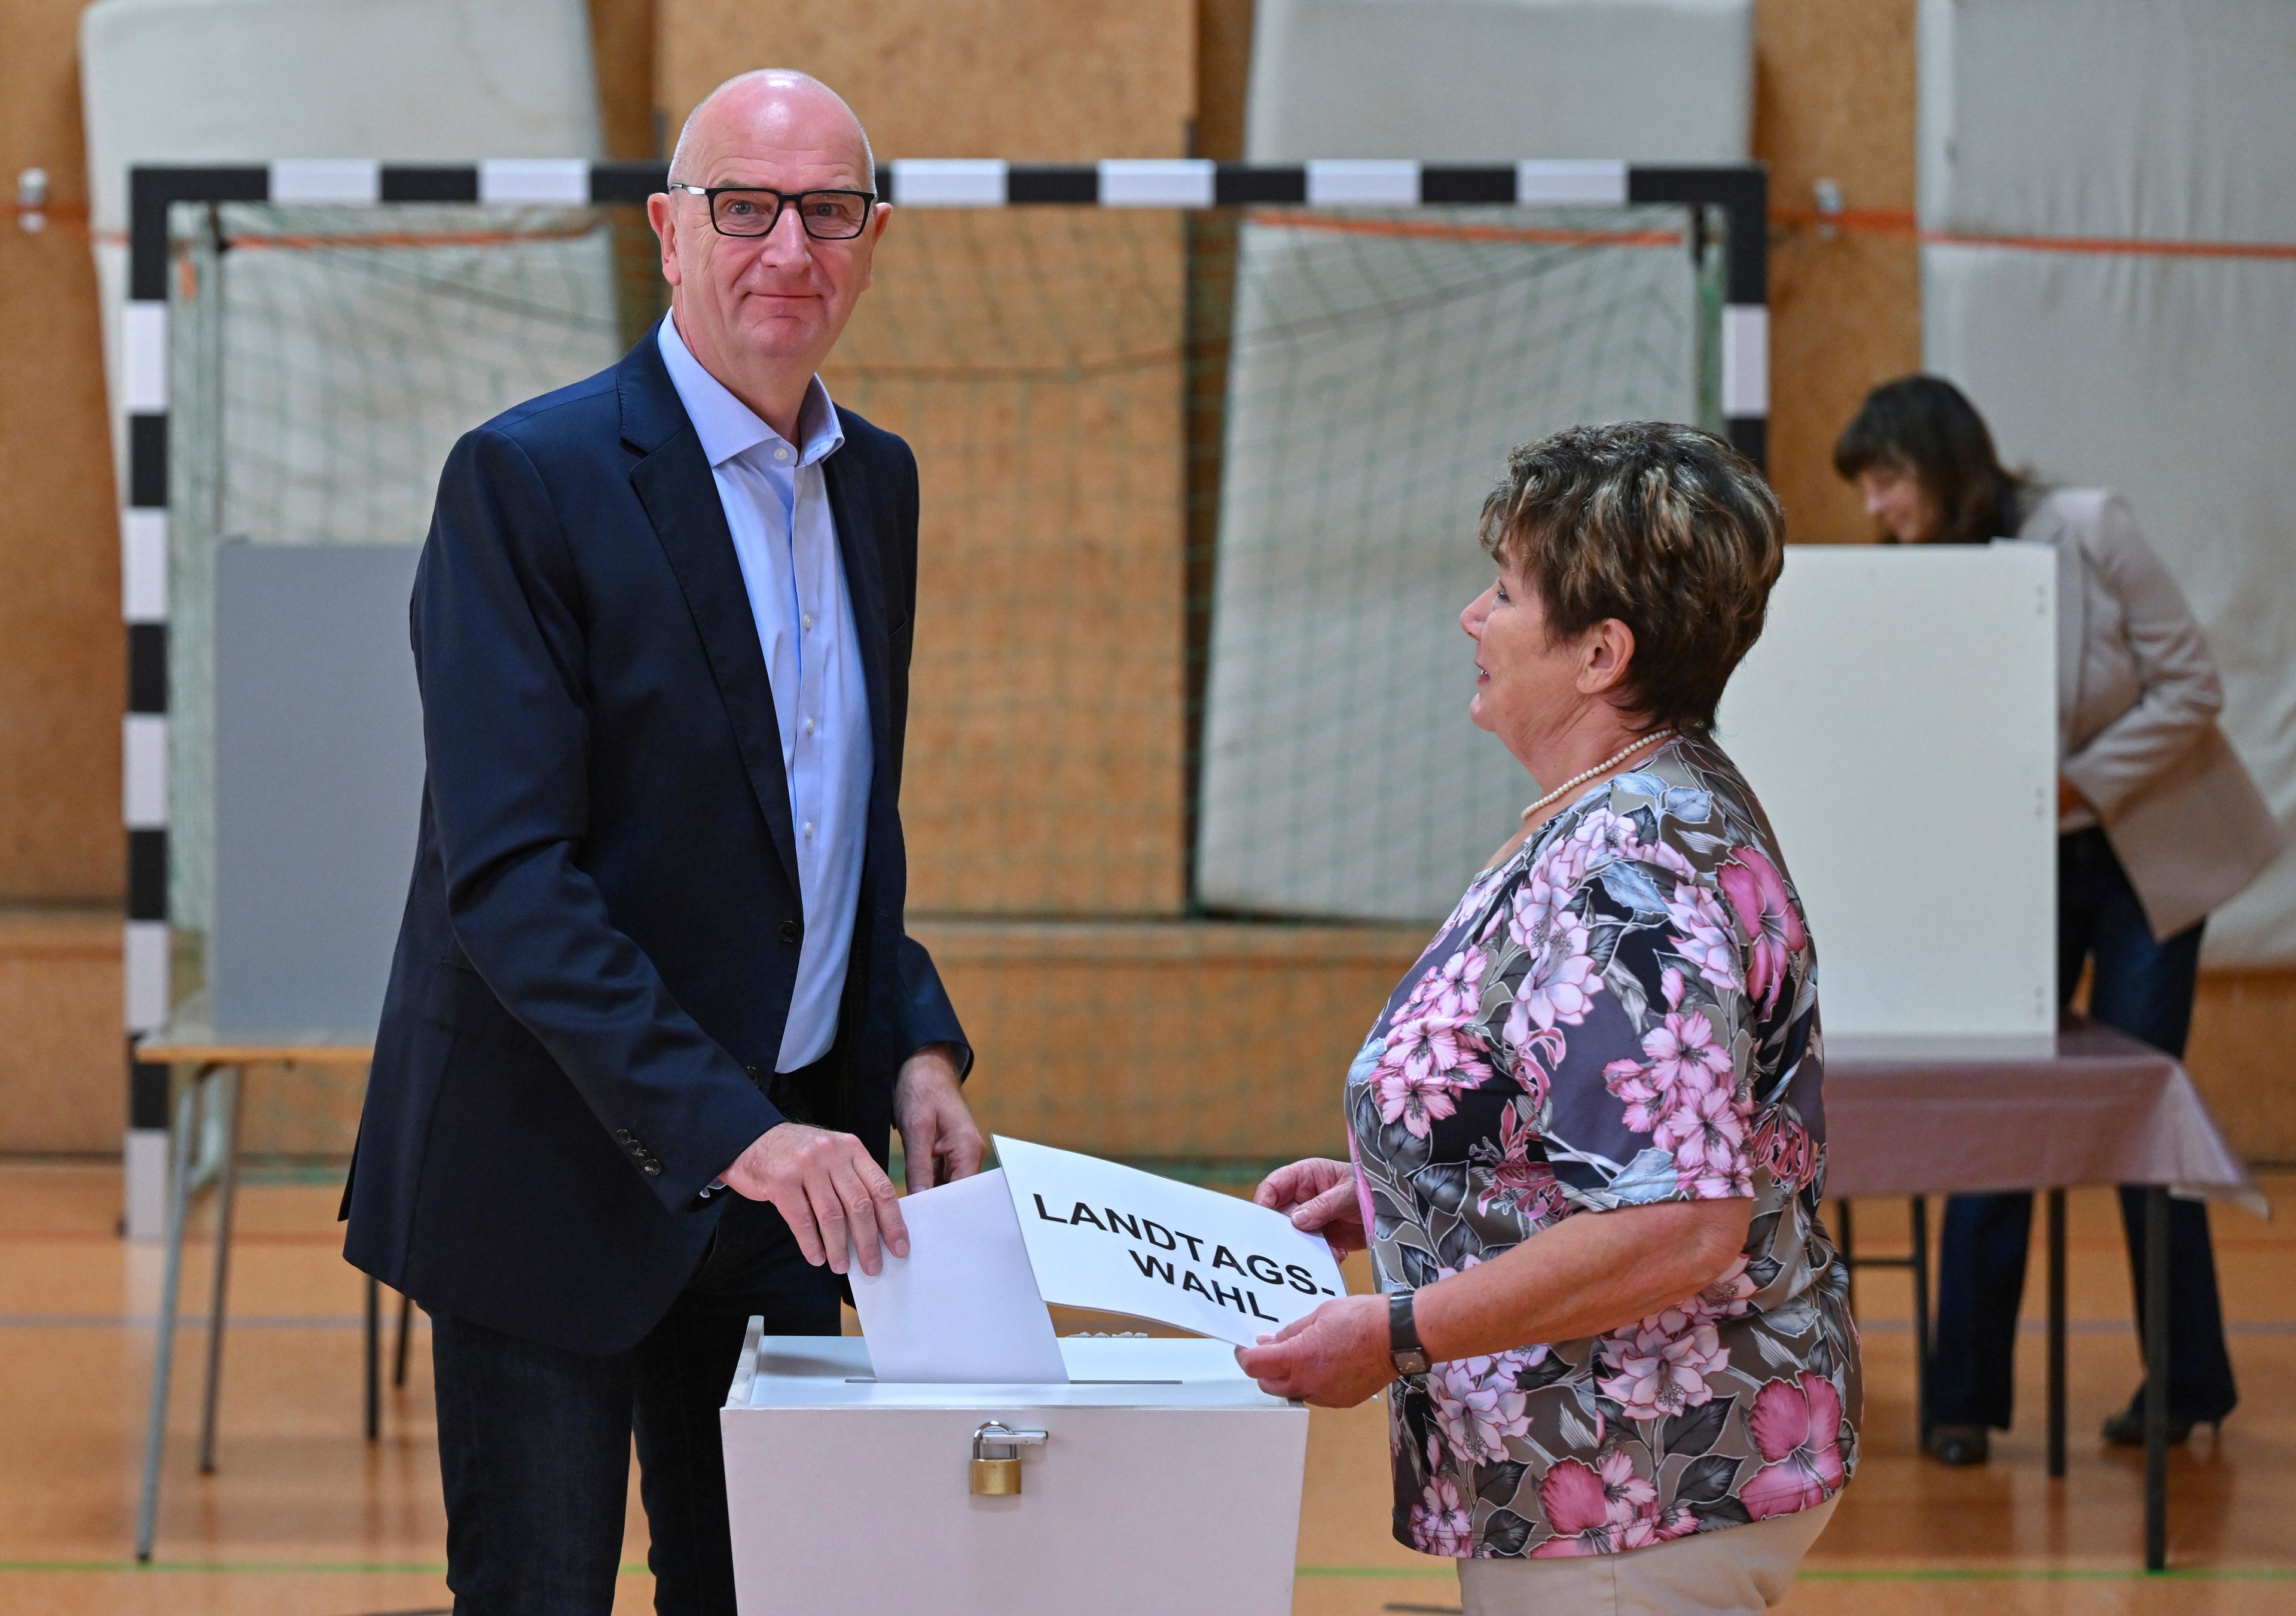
(1403,1344)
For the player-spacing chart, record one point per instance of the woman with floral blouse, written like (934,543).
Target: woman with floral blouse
(1587,1131)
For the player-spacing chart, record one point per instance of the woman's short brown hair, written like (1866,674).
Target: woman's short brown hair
(1665,528)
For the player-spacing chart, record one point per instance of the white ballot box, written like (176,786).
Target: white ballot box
(1163,1480)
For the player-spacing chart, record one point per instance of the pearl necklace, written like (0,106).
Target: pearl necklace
(1611,762)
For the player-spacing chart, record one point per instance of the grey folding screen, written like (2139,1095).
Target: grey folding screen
(319,782)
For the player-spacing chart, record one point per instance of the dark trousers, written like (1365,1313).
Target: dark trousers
(2145,988)
(534,1441)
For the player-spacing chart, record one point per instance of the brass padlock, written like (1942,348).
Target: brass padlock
(996,1469)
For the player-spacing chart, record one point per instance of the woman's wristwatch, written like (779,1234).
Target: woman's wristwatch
(1403,1347)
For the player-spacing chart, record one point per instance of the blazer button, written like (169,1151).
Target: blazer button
(652,1168)
(789,930)
(623,1136)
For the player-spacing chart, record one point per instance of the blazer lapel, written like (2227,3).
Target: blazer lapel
(855,515)
(674,483)
(2046,527)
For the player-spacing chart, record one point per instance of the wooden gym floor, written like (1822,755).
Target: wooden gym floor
(304,1517)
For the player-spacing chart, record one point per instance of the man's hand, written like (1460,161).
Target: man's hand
(1335,1357)
(939,1140)
(828,1189)
(1318,1195)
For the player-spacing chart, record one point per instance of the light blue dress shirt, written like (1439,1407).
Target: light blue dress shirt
(777,508)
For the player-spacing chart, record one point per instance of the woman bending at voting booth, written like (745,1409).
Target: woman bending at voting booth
(1588,1137)
(2157,823)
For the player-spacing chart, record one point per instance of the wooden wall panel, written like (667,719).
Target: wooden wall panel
(1043,80)
(61,645)
(1196,1039)
(59,1073)
(1833,99)
(1032,358)
(622,43)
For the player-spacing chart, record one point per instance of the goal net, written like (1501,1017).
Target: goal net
(1189,770)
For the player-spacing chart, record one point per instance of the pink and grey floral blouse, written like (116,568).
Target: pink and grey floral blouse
(1623,1012)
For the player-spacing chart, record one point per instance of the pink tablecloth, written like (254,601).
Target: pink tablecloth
(1916,1115)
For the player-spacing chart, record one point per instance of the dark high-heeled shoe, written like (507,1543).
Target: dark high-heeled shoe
(2127,1428)
(1960,1446)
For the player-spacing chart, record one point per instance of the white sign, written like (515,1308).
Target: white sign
(1117,1240)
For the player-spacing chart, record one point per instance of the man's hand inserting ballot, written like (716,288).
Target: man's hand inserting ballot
(828,1189)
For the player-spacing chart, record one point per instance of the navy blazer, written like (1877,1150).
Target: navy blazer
(601,935)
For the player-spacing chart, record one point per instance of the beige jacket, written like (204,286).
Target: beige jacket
(2137,698)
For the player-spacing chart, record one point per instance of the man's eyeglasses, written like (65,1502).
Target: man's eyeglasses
(746,210)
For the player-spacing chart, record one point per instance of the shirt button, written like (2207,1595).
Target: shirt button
(781,453)
(808,620)
(808,726)
(809,830)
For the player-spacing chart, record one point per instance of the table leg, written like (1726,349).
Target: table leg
(1918,1212)
(2057,1334)
(163,1346)
(2156,1378)
(373,1358)
(224,1091)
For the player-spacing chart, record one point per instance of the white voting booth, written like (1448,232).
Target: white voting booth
(1899,720)
(957,1458)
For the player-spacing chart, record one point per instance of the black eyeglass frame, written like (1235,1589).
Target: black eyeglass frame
(781,200)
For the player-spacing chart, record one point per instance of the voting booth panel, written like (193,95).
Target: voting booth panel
(1897,721)
(318,781)
(1163,1481)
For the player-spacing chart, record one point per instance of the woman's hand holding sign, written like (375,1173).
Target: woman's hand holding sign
(1335,1357)
(1319,1197)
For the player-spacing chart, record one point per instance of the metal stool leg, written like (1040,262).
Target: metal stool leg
(224,1091)
(2057,1334)
(163,1350)
(398,1354)
(1918,1212)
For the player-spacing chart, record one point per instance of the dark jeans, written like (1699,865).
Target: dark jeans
(534,1441)
(2145,988)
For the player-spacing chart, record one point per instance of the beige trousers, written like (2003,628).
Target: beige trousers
(1740,1571)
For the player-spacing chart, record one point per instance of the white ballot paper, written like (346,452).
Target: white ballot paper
(962,1307)
(967,1305)
(1121,1241)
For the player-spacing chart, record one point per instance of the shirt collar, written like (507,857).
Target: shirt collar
(726,426)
